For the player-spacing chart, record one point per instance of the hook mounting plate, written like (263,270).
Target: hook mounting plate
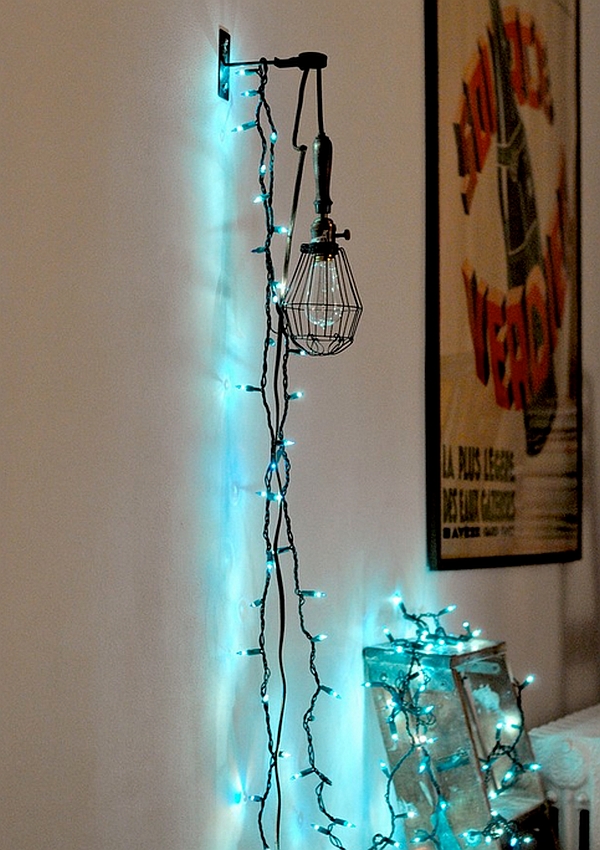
(224,69)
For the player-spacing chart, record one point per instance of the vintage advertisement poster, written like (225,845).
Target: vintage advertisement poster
(503,283)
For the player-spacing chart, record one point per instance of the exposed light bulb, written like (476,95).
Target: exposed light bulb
(326,309)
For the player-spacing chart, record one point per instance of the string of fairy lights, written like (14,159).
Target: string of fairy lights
(282,571)
(409,709)
(410,717)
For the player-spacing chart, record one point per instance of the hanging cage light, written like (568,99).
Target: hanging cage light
(321,304)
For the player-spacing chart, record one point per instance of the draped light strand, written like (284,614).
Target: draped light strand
(278,538)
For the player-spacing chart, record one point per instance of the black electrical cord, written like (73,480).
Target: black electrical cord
(277,524)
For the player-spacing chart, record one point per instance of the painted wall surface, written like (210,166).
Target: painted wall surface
(130,308)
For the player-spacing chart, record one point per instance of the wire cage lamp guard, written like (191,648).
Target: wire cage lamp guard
(320,303)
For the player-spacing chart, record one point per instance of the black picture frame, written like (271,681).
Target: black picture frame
(503,330)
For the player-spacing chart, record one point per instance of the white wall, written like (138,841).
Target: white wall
(130,534)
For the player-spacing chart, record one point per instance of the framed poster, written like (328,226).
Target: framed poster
(503,361)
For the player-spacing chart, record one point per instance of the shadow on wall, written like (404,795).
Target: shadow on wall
(580,615)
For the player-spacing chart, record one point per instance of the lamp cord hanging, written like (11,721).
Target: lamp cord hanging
(321,303)
(298,183)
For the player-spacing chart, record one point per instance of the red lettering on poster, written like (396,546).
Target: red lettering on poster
(515,333)
(535,65)
(467,160)
(512,23)
(516,344)
(476,308)
(496,329)
(476,123)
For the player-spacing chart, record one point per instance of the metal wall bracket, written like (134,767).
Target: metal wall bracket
(224,67)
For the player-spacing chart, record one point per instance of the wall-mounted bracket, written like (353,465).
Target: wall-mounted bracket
(224,65)
(308,61)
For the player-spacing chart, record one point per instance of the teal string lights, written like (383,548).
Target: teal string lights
(283,591)
(460,772)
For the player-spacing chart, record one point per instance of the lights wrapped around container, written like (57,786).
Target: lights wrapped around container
(460,761)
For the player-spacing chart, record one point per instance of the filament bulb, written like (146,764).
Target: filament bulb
(325,303)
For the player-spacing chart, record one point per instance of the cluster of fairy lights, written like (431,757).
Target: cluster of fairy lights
(409,710)
(282,561)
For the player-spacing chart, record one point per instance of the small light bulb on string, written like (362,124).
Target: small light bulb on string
(343,822)
(318,638)
(326,830)
(269,495)
(247,71)
(323,829)
(302,773)
(384,769)
(243,128)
